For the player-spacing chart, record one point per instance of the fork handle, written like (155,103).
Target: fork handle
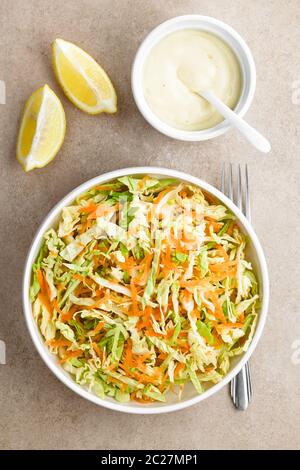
(241,389)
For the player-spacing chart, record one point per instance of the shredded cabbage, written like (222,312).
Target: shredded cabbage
(144,287)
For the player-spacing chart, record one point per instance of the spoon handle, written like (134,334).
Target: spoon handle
(252,135)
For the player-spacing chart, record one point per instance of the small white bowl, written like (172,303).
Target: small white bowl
(203,23)
(190,397)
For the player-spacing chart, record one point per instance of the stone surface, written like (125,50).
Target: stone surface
(36,410)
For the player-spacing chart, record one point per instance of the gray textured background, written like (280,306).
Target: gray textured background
(36,410)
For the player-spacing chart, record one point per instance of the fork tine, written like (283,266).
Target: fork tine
(239,202)
(223,178)
(247,195)
(230,180)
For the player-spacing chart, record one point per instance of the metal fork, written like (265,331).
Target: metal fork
(240,386)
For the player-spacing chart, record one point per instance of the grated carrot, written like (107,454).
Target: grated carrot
(70,354)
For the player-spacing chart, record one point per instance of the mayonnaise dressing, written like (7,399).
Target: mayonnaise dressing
(211,64)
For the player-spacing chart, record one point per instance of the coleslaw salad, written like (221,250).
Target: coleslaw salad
(144,287)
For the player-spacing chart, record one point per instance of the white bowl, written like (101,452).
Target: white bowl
(203,23)
(190,396)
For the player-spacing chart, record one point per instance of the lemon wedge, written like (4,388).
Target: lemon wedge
(84,82)
(42,129)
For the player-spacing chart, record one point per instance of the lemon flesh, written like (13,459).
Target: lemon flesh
(42,129)
(84,82)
